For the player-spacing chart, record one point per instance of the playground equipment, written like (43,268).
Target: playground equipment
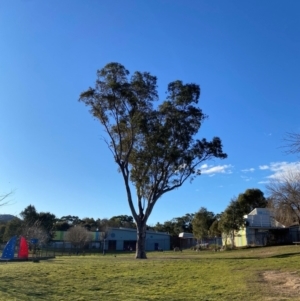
(9,250)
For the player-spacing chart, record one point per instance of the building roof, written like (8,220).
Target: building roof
(260,211)
(186,235)
(262,218)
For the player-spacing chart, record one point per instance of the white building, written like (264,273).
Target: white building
(260,229)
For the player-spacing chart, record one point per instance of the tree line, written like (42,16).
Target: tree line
(203,223)
(42,225)
(283,201)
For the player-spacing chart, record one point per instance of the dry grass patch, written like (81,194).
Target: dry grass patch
(283,285)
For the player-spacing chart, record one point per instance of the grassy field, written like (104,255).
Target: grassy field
(271,273)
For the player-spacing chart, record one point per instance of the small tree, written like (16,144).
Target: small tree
(202,221)
(36,232)
(78,236)
(214,229)
(154,147)
(232,220)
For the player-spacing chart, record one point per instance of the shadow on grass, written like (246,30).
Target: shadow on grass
(229,258)
(199,259)
(285,255)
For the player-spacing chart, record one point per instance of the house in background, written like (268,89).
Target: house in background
(125,239)
(187,240)
(120,239)
(260,229)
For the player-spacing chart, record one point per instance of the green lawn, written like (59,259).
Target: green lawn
(228,275)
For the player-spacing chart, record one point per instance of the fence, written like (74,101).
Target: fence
(251,238)
(108,246)
(255,238)
(203,243)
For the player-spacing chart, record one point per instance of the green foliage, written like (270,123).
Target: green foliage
(154,146)
(183,223)
(214,229)
(89,223)
(12,228)
(41,224)
(251,199)
(169,227)
(61,226)
(125,221)
(33,225)
(29,215)
(47,220)
(71,219)
(232,218)
(176,225)
(2,231)
(202,222)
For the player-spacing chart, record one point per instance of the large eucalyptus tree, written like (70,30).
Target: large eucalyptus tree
(154,146)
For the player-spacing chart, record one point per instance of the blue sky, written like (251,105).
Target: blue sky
(245,55)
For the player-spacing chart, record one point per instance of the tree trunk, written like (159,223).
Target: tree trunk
(141,240)
(232,239)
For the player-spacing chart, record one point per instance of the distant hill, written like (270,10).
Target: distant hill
(6,217)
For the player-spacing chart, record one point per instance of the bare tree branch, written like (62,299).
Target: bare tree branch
(285,197)
(292,143)
(78,236)
(3,198)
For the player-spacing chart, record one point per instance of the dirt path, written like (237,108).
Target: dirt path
(282,285)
